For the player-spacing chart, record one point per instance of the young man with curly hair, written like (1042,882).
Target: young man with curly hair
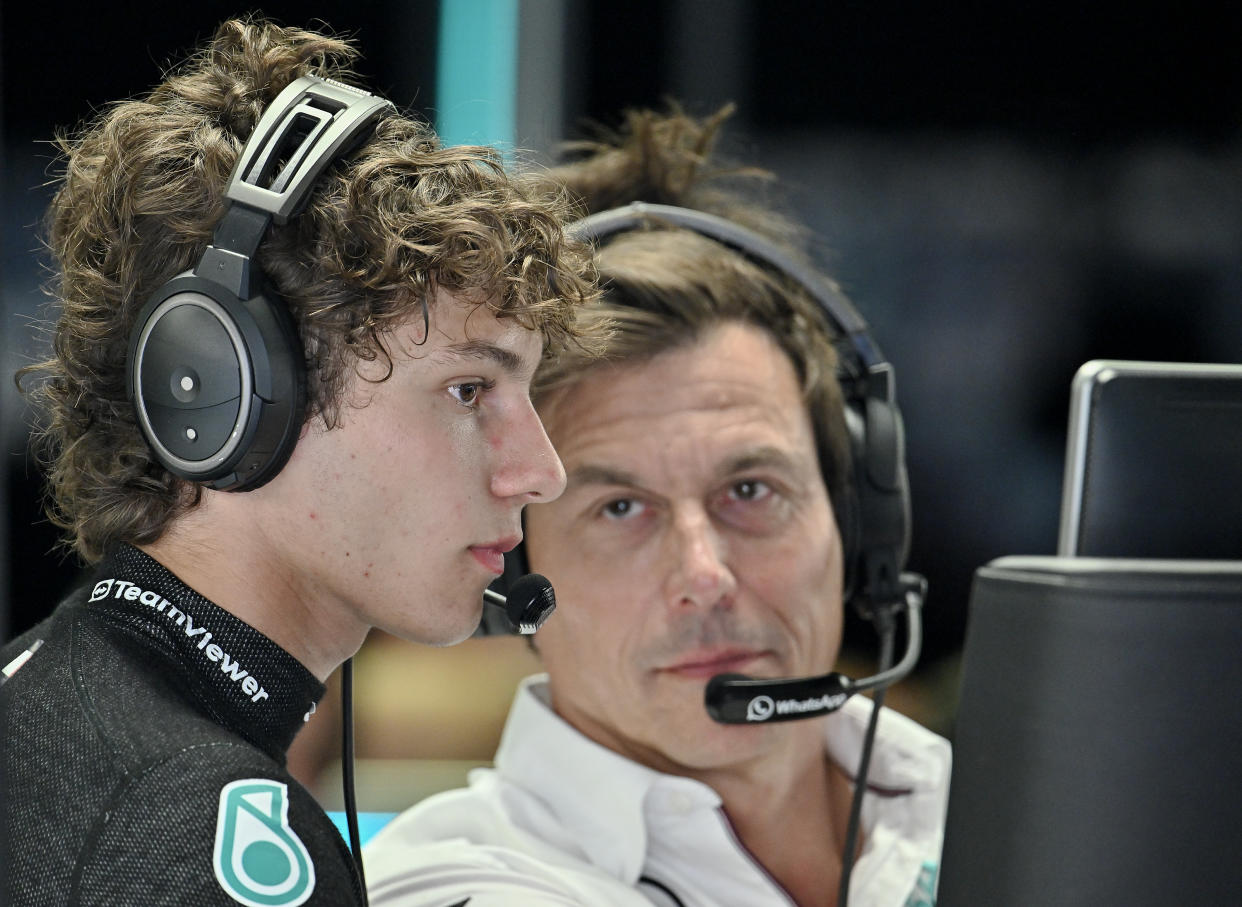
(705,530)
(146,722)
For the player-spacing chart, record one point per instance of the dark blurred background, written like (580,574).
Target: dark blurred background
(1005,189)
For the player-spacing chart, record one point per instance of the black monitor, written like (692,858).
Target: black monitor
(1098,743)
(1153,464)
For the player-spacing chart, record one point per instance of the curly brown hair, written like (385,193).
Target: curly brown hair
(141,192)
(664,286)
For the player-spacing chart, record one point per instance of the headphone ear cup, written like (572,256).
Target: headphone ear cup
(218,385)
(845,504)
(883,501)
(216,372)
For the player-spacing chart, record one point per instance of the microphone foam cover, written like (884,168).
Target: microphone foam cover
(530,602)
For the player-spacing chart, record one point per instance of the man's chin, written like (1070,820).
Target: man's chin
(445,631)
(698,743)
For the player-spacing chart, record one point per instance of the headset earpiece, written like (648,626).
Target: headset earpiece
(881,490)
(216,371)
(218,383)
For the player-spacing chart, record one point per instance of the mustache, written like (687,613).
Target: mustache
(718,627)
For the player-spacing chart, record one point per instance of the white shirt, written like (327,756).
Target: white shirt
(561,820)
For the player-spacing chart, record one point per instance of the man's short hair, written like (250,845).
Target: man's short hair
(664,287)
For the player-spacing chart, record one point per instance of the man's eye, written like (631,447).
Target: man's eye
(750,490)
(467,393)
(622,508)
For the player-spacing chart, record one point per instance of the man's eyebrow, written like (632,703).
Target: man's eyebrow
(592,474)
(758,458)
(755,458)
(508,360)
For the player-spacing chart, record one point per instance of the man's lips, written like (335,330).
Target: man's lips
(492,555)
(708,664)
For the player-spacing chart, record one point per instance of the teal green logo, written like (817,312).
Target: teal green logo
(258,859)
(924,893)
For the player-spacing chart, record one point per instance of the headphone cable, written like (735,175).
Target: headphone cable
(347,769)
(884,623)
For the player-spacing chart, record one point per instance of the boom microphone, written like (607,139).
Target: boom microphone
(528,604)
(738,699)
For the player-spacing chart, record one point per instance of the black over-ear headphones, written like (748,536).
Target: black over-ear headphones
(876,530)
(216,372)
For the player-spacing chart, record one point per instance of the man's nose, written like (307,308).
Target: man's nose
(529,466)
(699,574)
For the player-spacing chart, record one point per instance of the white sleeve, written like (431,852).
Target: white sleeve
(451,873)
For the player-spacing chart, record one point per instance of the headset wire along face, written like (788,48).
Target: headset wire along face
(216,372)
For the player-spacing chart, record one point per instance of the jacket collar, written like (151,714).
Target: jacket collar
(228,669)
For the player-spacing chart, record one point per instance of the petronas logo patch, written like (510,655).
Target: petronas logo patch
(258,859)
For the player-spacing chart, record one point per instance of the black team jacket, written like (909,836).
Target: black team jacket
(142,756)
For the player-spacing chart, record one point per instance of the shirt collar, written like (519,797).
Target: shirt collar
(231,671)
(912,761)
(609,821)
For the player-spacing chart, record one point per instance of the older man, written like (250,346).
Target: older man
(708,480)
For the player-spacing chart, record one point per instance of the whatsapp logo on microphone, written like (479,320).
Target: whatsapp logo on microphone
(760,708)
(258,859)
